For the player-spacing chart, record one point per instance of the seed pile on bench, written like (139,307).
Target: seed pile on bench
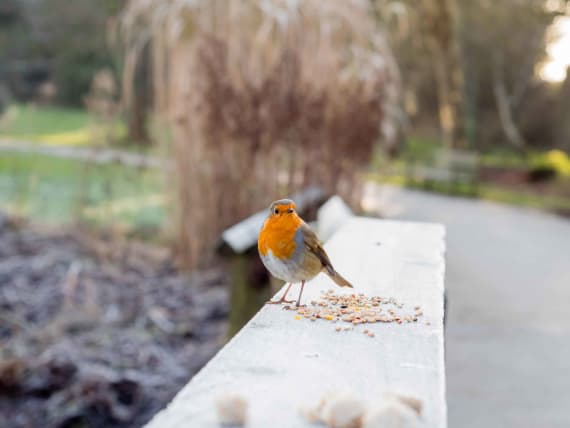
(357,309)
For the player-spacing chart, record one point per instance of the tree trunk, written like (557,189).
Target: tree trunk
(563,122)
(510,128)
(139,103)
(439,22)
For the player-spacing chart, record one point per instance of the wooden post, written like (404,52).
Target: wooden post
(250,290)
(280,362)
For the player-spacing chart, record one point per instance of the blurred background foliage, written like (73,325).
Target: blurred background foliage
(260,99)
(55,41)
(144,128)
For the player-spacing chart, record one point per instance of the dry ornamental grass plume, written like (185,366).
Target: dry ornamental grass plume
(261,98)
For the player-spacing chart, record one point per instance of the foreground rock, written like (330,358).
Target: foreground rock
(95,335)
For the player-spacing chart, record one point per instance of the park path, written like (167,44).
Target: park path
(508,320)
(101,155)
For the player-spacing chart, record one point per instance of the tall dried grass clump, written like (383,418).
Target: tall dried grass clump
(261,98)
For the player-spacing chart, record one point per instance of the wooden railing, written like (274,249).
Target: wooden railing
(281,361)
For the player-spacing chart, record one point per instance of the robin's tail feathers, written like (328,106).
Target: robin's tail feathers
(337,278)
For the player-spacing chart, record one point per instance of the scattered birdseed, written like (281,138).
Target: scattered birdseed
(357,309)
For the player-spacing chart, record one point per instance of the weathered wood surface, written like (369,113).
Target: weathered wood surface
(279,363)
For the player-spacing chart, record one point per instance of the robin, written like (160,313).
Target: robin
(291,251)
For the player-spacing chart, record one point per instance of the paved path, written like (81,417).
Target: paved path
(88,154)
(508,326)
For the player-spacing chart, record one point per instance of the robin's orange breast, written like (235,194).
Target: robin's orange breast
(278,235)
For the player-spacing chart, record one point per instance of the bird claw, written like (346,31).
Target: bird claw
(277,302)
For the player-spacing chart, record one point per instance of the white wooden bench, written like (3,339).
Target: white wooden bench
(454,168)
(279,363)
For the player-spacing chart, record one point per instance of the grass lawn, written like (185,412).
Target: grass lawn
(57,191)
(497,193)
(425,148)
(50,125)
(526,198)
(551,196)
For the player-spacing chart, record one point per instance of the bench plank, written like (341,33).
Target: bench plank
(280,364)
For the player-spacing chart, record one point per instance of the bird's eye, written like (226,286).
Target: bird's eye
(276,210)
(290,210)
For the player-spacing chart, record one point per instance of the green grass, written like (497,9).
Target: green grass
(57,191)
(394,172)
(52,125)
(417,147)
(490,192)
(525,198)
(420,148)
(505,159)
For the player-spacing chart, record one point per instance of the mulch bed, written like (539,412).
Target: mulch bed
(98,335)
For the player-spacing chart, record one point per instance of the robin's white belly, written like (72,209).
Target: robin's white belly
(289,271)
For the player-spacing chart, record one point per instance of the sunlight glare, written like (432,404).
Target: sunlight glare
(554,68)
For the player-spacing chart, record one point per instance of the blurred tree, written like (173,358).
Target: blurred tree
(396,126)
(425,37)
(438,23)
(137,93)
(20,72)
(563,117)
(74,41)
(477,61)
(64,40)
(41,43)
(503,71)
(9,14)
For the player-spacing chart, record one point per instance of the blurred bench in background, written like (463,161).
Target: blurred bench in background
(281,361)
(456,170)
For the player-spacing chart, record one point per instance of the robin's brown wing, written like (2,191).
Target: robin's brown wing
(314,246)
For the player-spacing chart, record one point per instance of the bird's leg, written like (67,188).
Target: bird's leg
(282,299)
(300,294)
